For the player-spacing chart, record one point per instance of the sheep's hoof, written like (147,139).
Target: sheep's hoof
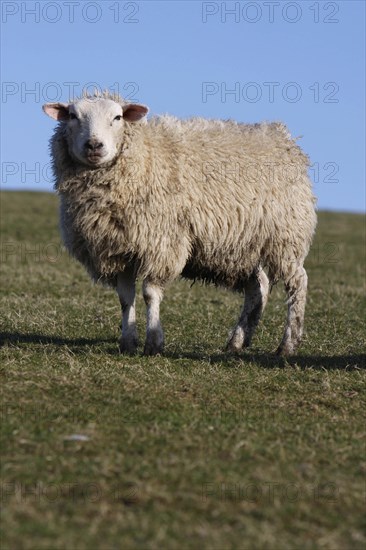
(232,348)
(284,350)
(247,342)
(128,347)
(151,348)
(236,340)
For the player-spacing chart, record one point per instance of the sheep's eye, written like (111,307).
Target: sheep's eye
(118,117)
(72,116)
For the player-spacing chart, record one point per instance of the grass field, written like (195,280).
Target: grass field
(195,449)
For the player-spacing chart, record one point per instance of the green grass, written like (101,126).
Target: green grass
(195,449)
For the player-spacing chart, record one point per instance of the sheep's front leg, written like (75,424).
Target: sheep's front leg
(126,293)
(153,294)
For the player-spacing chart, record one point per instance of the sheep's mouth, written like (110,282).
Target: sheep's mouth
(95,158)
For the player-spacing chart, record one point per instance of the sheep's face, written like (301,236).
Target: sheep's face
(95,127)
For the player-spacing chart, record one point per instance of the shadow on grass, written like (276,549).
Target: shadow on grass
(270,360)
(265,360)
(13,338)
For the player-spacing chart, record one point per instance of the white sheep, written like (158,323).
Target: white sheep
(206,199)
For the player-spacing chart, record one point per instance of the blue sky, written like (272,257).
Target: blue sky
(300,62)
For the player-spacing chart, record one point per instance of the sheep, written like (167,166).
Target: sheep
(217,201)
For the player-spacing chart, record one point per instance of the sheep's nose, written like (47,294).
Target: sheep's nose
(93,144)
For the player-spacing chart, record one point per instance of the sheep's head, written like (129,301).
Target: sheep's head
(95,126)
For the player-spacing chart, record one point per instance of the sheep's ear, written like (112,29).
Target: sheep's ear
(58,111)
(133,112)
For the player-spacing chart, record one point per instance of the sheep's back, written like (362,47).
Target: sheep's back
(248,197)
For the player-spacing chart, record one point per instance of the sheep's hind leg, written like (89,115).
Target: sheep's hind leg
(153,294)
(296,288)
(256,294)
(126,293)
